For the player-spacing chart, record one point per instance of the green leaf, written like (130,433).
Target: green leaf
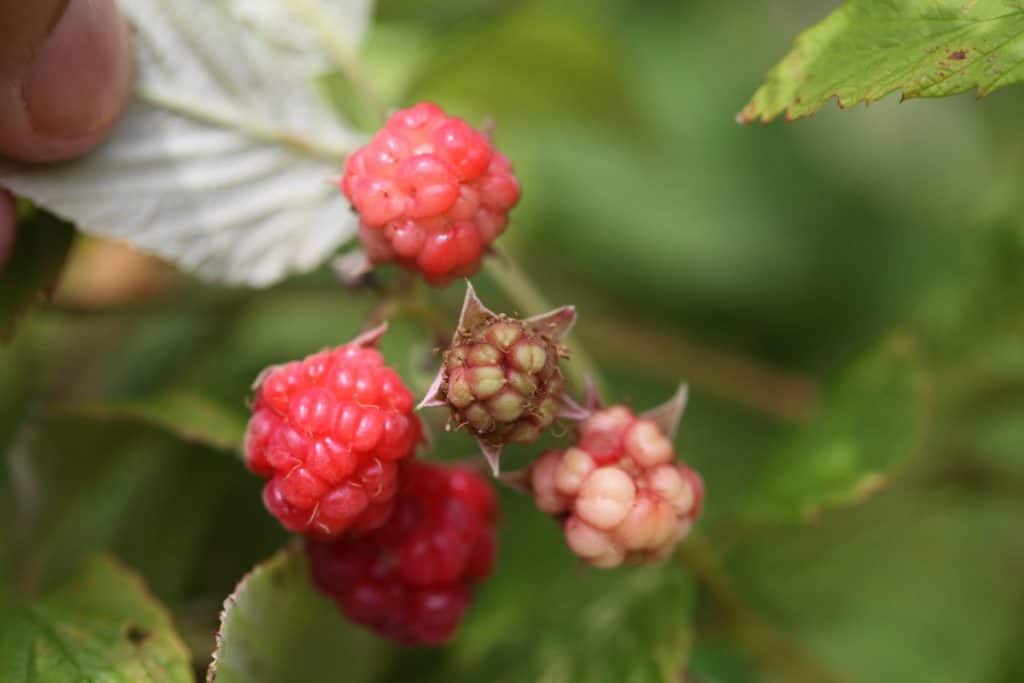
(101,624)
(870,424)
(77,482)
(870,48)
(188,415)
(938,567)
(39,252)
(628,625)
(538,618)
(190,520)
(276,627)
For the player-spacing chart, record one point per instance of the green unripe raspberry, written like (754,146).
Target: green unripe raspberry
(500,377)
(502,380)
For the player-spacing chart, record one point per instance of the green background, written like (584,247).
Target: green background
(843,295)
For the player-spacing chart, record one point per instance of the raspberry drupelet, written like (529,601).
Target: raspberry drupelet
(327,433)
(619,492)
(431,192)
(501,378)
(411,580)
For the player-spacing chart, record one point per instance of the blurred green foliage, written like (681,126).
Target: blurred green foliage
(34,264)
(766,265)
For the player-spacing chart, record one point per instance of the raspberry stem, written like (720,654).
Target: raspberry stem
(518,287)
(761,639)
(414,303)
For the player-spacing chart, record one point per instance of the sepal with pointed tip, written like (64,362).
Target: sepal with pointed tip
(571,410)
(474,312)
(555,324)
(370,337)
(667,415)
(492,453)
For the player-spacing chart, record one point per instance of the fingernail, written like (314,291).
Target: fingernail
(77,81)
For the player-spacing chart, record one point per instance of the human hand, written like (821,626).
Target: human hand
(65,77)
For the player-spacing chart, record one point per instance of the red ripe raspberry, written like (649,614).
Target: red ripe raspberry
(410,579)
(500,378)
(328,432)
(431,193)
(618,491)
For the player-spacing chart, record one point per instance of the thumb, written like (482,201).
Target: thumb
(65,76)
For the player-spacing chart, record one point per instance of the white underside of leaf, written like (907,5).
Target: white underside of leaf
(223,162)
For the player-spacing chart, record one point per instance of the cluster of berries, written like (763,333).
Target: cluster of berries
(410,579)
(431,192)
(618,492)
(398,543)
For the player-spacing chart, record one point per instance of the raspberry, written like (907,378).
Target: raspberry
(618,491)
(410,580)
(431,193)
(500,377)
(327,433)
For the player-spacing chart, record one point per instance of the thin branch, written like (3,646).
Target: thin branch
(725,374)
(963,467)
(525,294)
(763,641)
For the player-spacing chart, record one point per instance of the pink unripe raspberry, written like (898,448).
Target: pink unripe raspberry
(573,467)
(431,192)
(501,378)
(411,579)
(605,497)
(543,484)
(619,492)
(327,433)
(594,547)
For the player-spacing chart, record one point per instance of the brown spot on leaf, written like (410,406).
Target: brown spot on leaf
(135,634)
(959,55)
